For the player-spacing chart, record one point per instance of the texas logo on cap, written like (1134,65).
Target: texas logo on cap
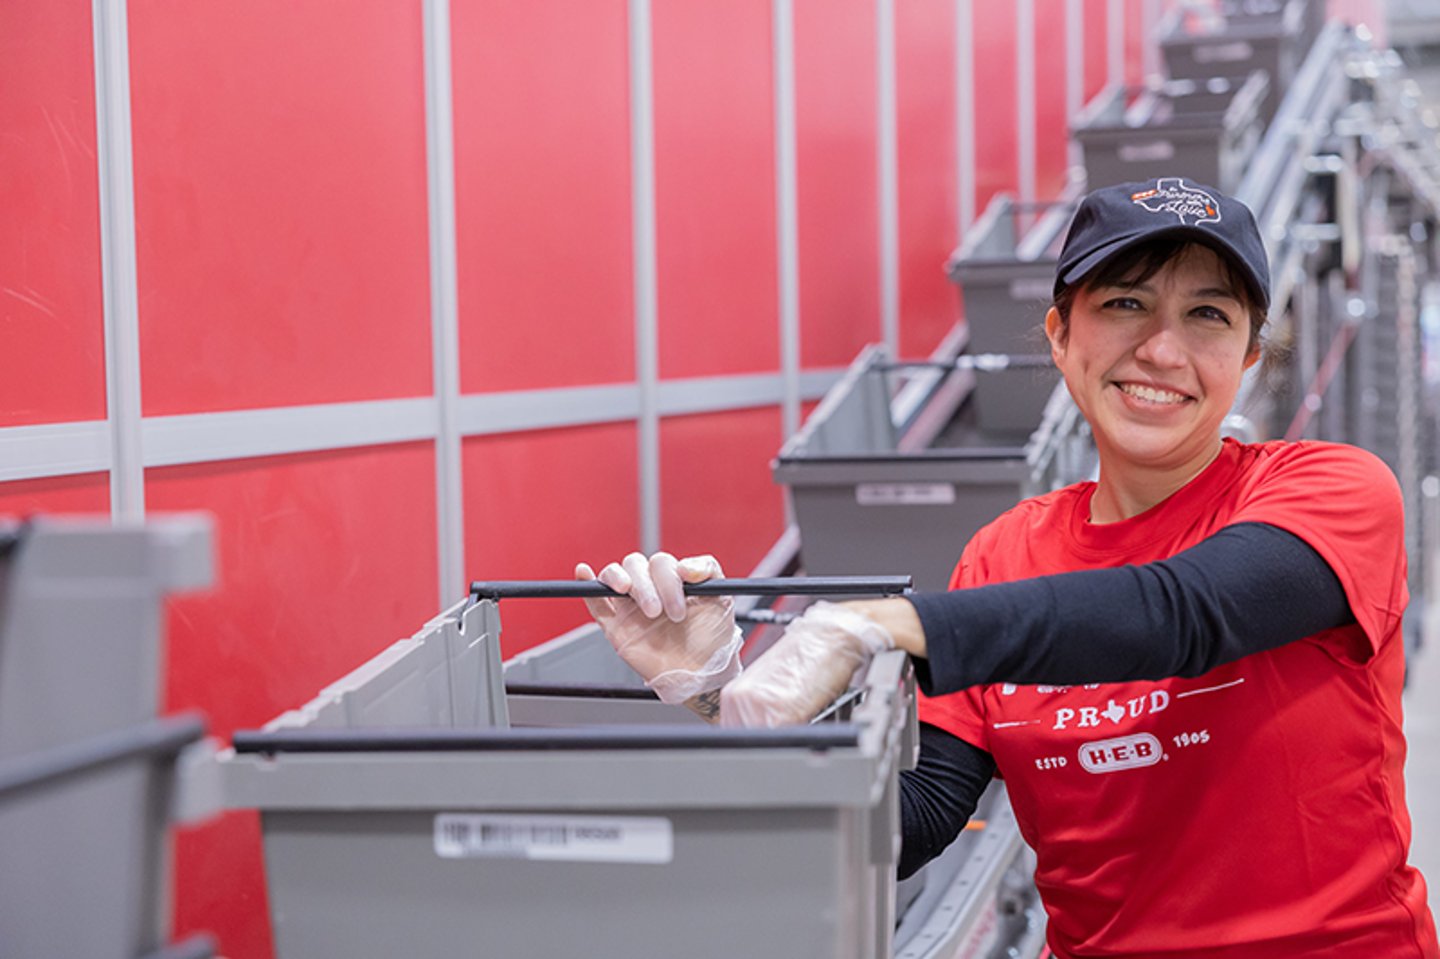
(1171,195)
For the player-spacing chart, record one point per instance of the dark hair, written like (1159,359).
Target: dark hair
(1143,260)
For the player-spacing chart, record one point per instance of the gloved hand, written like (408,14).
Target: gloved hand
(806,669)
(692,648)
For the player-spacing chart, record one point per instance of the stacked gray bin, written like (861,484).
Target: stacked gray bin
(1005,270)
(1309,14)
(88,773)
(403,815)
(865,505)
(1249,35)
(1204,130)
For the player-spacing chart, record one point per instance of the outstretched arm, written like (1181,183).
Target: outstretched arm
(1248,588)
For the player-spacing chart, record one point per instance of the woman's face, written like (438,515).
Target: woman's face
(1154,366)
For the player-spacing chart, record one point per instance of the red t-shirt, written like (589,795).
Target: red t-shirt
(1254,812)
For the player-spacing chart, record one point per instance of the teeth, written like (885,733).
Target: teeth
(1151,395)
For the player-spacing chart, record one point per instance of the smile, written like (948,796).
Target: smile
(1150,394)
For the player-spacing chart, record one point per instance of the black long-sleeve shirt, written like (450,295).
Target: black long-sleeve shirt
(1246,589)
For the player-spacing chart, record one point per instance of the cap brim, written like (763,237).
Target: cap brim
(1125,241)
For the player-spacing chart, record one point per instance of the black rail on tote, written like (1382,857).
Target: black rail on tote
(979,362)
(777,586)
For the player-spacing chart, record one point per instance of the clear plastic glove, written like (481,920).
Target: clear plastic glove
(806,670)
(680,645)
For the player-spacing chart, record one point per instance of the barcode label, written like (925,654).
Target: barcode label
(643,839)
(904,494)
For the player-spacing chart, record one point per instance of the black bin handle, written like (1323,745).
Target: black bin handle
(758,586)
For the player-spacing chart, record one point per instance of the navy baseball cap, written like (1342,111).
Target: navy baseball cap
(1115,218)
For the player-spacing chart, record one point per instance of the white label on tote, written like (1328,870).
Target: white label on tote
(1030,288)
(1146,152)
(1235,52)
(905,494)
(643,839)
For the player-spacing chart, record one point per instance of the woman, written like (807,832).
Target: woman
(1188,672)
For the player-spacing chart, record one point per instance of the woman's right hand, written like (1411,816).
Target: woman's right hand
(682,646)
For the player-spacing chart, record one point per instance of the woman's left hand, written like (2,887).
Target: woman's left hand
(806,669)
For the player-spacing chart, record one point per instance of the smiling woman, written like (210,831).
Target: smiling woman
(1192,659)
(1153,356)
(1160,296)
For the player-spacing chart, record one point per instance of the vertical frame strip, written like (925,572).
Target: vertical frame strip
(965,113)
(1150,16)
(444,299)
(1025,102)
(889,164)
(787,216)
(117,259)
(642,189)
(1074,73)
(1115,41)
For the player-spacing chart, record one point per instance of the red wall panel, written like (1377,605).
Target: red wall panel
(717,495)
(1135,42)
(542,170)
(220,884)
(280,200)
(925,94)
(52,364)
(538,503)
(1052,127)
(1097,47)
(83,493)
(837,179)
(715,187)
(996,162)
(838,203)
(322,561)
